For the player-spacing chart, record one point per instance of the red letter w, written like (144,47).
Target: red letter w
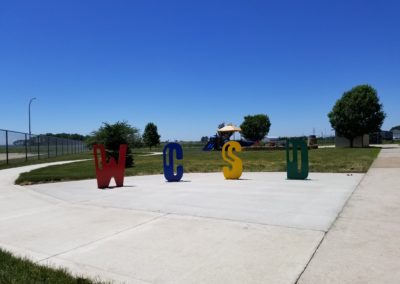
(110,169)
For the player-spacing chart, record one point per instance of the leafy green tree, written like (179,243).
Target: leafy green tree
(73,136)
(150,135)
(113,135)
(358,112)
(255,127)
(204,139)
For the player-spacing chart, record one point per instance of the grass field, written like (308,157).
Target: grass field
(18,270)
(354,160)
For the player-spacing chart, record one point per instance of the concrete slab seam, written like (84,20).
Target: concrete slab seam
(202,217)
(107,237)
(39,195)
(311,257)
(333,223)
(348,199)
(244,222)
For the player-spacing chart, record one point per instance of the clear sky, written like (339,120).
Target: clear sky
(189,65)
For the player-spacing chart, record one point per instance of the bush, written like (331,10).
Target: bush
(113,135)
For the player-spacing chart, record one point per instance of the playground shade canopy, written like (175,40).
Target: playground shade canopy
(229,128)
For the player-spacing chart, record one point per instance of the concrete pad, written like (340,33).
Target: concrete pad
(377,198)
(8,176)
(67,227)
(17,201)
(178,249)
(356,251)
(261,229)
(19,204)
(262,198)
(387,162)
(363,245)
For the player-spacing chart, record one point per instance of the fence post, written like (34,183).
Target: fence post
(56,147)
(38,147)
(7,147)
(26,148)
(48,146)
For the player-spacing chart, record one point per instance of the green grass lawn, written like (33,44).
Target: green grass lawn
(17,270)
(12,149)
(344,160)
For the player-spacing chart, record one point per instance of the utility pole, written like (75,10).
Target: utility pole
(30,102)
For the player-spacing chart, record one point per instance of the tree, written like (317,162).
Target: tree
(150,135)
(358,112)
(204,139)
(73,136)
(112,136)
(255,127)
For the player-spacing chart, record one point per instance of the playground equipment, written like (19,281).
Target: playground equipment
(213,143)
(223,136)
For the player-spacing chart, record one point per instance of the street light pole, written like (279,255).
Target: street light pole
(30,116)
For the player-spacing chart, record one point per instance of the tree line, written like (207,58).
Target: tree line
(356,113)
(73,136)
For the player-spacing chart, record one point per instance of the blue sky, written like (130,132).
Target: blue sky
(189,65)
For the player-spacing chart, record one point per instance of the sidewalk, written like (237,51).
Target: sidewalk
(260,229)
(363,245)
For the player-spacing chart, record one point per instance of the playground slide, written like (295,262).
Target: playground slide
(209,146)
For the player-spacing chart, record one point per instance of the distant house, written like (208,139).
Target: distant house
(378,137)
(358,142)
(396,134)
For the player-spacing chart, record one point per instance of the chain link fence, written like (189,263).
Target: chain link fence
(19,147)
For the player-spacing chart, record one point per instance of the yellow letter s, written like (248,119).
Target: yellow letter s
(236,163)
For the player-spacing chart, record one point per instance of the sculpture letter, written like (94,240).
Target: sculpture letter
(169,168)
(236,163)
(110,169)
(293,165)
